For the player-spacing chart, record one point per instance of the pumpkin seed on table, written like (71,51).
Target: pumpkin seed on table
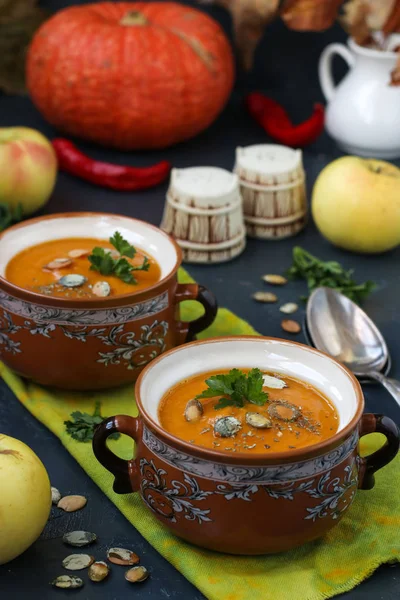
(98,571)
(122,556)
(137,574)
(67,582)
(265,297)
(58,263)
(78,253)
(78,539)
(289,308)
(72,503)
(257,420)
(193,410)
(274,279)
(55,495)
(227,426)
(72,280)
(77,562)
(274,382)
(291,326)
(101,289)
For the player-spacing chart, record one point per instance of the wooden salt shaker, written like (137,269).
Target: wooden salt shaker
(203,212)
(272,184)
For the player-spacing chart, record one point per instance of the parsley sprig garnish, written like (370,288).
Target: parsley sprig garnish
(82,426)
(101,260)
(237,388)
(330,274)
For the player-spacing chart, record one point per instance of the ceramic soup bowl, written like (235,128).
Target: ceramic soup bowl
(241,503)
(101,342)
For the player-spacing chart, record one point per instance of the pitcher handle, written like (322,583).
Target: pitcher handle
(325,67)
(371,423)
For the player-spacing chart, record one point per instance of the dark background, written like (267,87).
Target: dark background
(286,68)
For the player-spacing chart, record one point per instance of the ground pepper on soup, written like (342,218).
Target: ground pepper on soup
(247,411)
(83,268)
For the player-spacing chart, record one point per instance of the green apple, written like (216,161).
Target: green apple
(356,204)
(25,498)
(28,168)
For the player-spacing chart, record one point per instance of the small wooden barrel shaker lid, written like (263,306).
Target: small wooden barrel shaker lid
(203,212)
(272,183)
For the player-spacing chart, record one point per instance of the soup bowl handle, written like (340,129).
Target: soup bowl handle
(186,332)
(371,423)
(126,472)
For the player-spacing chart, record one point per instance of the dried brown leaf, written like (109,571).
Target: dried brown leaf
(392,23)
(379,13)
(310,15)
(395,74)
(19,19)
(354,20)
(250,17)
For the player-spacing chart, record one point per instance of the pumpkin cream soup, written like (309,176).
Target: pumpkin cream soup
(247,411)
(83,268)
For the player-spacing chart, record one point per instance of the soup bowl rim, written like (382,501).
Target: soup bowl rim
(242,458)
(95,302)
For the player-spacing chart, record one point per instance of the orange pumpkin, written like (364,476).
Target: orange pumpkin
(130,75)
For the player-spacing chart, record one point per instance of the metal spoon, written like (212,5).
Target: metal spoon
(364,379)
(340,328)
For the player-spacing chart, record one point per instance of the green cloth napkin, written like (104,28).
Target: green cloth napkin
(367,536)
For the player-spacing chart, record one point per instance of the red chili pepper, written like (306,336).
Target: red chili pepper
(116,177)
(276,122)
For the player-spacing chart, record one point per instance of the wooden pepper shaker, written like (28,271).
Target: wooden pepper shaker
(272,184)
(203,212)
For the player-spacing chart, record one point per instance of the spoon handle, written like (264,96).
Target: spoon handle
(392,385)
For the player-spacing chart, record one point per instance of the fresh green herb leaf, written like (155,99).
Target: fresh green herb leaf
(318,273)
(9,216)
(122,246)
(82,426)
(222,402)
(102,261)
(237,388)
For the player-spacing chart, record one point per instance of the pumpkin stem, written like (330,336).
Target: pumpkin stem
(133,17)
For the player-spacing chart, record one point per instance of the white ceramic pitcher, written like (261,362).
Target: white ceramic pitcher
(363,112)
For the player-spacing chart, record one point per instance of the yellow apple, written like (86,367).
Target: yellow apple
(356,204)
(25,498)
(28,168)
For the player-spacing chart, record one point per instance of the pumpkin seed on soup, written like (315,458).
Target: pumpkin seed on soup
(58,263)
(257,420)
(284,411)
(101,289)
(78,253)
(73,280)
(193,410)
(273,382)
(227,427)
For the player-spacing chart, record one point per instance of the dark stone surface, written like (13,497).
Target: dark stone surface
(286,67)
